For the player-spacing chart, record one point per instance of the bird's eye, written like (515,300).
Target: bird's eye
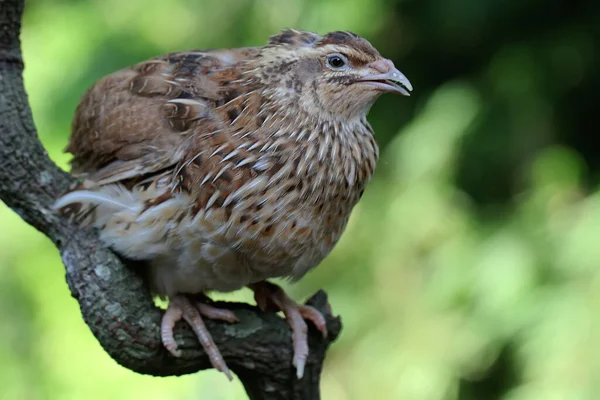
(336,61)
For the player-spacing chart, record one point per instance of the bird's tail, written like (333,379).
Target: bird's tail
(90,204)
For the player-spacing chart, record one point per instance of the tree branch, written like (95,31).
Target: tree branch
(113,299)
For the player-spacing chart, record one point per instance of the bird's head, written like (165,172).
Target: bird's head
(338,75)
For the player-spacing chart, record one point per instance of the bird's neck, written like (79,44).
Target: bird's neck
(322,152)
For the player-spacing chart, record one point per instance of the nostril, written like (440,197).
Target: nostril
(382,65)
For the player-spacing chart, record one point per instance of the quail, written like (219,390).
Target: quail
(221,169)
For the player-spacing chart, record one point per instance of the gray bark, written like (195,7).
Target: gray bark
(112,297)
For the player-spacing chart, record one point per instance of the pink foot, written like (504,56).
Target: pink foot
(181,307)
(270,296)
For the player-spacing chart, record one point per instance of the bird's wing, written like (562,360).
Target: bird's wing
(135,122)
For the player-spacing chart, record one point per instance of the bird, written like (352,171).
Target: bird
(223,168)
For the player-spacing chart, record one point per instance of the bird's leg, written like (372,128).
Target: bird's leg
(182,307)
(269,296)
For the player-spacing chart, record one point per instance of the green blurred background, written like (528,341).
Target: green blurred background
(471,268)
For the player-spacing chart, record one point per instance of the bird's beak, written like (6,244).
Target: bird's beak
(387,78)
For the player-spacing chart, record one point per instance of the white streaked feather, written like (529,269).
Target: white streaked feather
(114,197)
(230,155)
(190,102)
(263,164)
(267,144)
(245,161)
(221,172)
(254,145)
(206,178)
(212,199)
(220,148)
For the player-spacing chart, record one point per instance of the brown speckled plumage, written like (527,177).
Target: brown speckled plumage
(224,168)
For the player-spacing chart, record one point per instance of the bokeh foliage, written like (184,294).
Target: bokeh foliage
(470,270)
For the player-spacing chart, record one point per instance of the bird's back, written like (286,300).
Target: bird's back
(135,121)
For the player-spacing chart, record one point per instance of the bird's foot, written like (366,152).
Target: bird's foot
(182,307)
(269,296)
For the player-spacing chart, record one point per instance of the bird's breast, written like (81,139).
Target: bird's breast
(271,206)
